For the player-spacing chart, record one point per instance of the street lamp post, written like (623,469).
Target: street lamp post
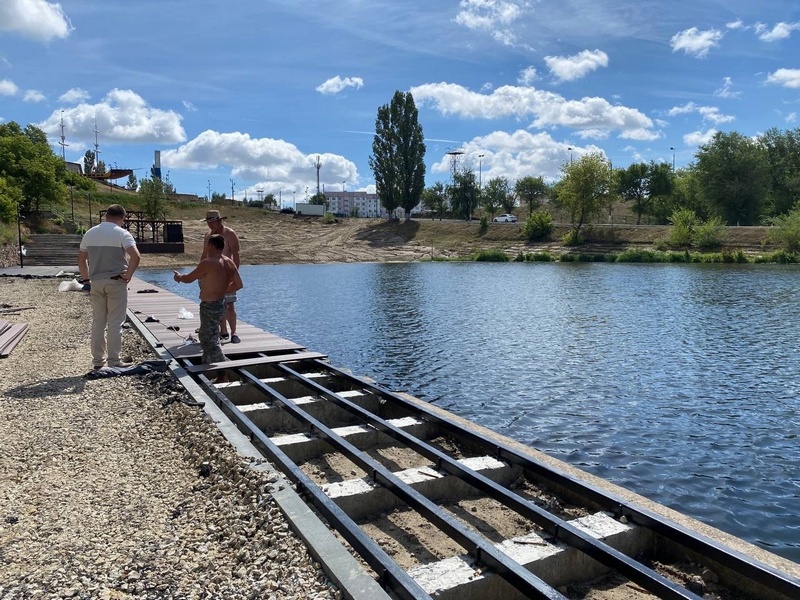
(72,202)
(480,171)
(570,155)
(89,199)
(209,190)
(19,235)
(673,158)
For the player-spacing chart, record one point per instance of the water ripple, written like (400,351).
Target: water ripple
(680,382)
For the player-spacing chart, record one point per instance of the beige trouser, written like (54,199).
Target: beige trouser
(109,306)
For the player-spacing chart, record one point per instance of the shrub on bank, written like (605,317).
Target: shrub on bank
(496,255)
(538,226)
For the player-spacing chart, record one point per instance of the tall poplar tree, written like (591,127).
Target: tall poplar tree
(398,154)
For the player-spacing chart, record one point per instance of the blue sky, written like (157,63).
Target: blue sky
(254,91)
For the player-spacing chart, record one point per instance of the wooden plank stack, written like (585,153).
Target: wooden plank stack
(11,334)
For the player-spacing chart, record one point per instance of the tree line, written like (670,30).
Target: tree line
(733,179)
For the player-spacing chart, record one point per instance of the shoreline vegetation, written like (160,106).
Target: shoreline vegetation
(268,237)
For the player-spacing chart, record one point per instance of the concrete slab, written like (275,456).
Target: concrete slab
(362,497)
(458,577)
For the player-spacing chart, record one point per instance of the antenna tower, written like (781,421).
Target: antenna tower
(96,148)
(454,154)
(318,165)
(63,143)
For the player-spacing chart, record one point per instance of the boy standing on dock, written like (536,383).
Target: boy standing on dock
(216,226)
(219,276)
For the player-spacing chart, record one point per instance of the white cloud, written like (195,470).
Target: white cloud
(546,108)
(570,68)
(526,77)
(189,106)
(695,42)
(337,84)
(74,96)
(726,91)
(709,113)
(8,88)
(515,155)
(737,24)
(791,117)
(33,96)
(789,78)
(276,163)
(122,116)
(697,138)
(35,19)
(492,16)
(779,32)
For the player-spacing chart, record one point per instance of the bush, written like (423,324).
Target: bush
(484,225)
(683,223)
(709,235)
(538,226)
(786,231)
(496,255)
(572,238)
(540,257)
(328,218)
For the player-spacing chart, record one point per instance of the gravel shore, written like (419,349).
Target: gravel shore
(104,487)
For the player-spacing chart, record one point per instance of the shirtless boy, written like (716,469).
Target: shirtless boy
(216,226)
(219,276)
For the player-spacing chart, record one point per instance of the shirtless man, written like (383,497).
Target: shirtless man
(217,227)
(219,276)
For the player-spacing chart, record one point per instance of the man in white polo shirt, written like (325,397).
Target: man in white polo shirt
(108,257)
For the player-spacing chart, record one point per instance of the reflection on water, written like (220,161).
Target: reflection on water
(677,381)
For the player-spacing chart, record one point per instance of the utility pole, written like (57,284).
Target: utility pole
(209,190)
(233,195)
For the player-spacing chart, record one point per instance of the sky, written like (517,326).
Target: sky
(252,94)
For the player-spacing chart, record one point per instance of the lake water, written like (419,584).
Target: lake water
(680,382)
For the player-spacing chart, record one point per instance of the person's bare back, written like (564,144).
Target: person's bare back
(217,272)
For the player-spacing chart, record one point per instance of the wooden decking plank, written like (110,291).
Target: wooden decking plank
(259,360)
(12,337)
(165,307)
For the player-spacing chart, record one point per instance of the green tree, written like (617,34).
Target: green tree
(733,173)
(152,199)
(318,198)
(494,195)
(463,194)
(10,196)
(270,200)
(584,190)
(133,183)
(632,185)
(532,191)
(398,154)
(783,155)
(28,164)
(434,199)
(88,162)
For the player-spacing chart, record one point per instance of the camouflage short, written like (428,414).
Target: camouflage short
(211,313)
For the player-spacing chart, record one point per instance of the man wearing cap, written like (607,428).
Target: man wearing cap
(216,226)
(108,257)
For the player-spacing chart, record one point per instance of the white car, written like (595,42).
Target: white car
(505,219)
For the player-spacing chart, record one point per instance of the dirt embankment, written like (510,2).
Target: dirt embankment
(270,238)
